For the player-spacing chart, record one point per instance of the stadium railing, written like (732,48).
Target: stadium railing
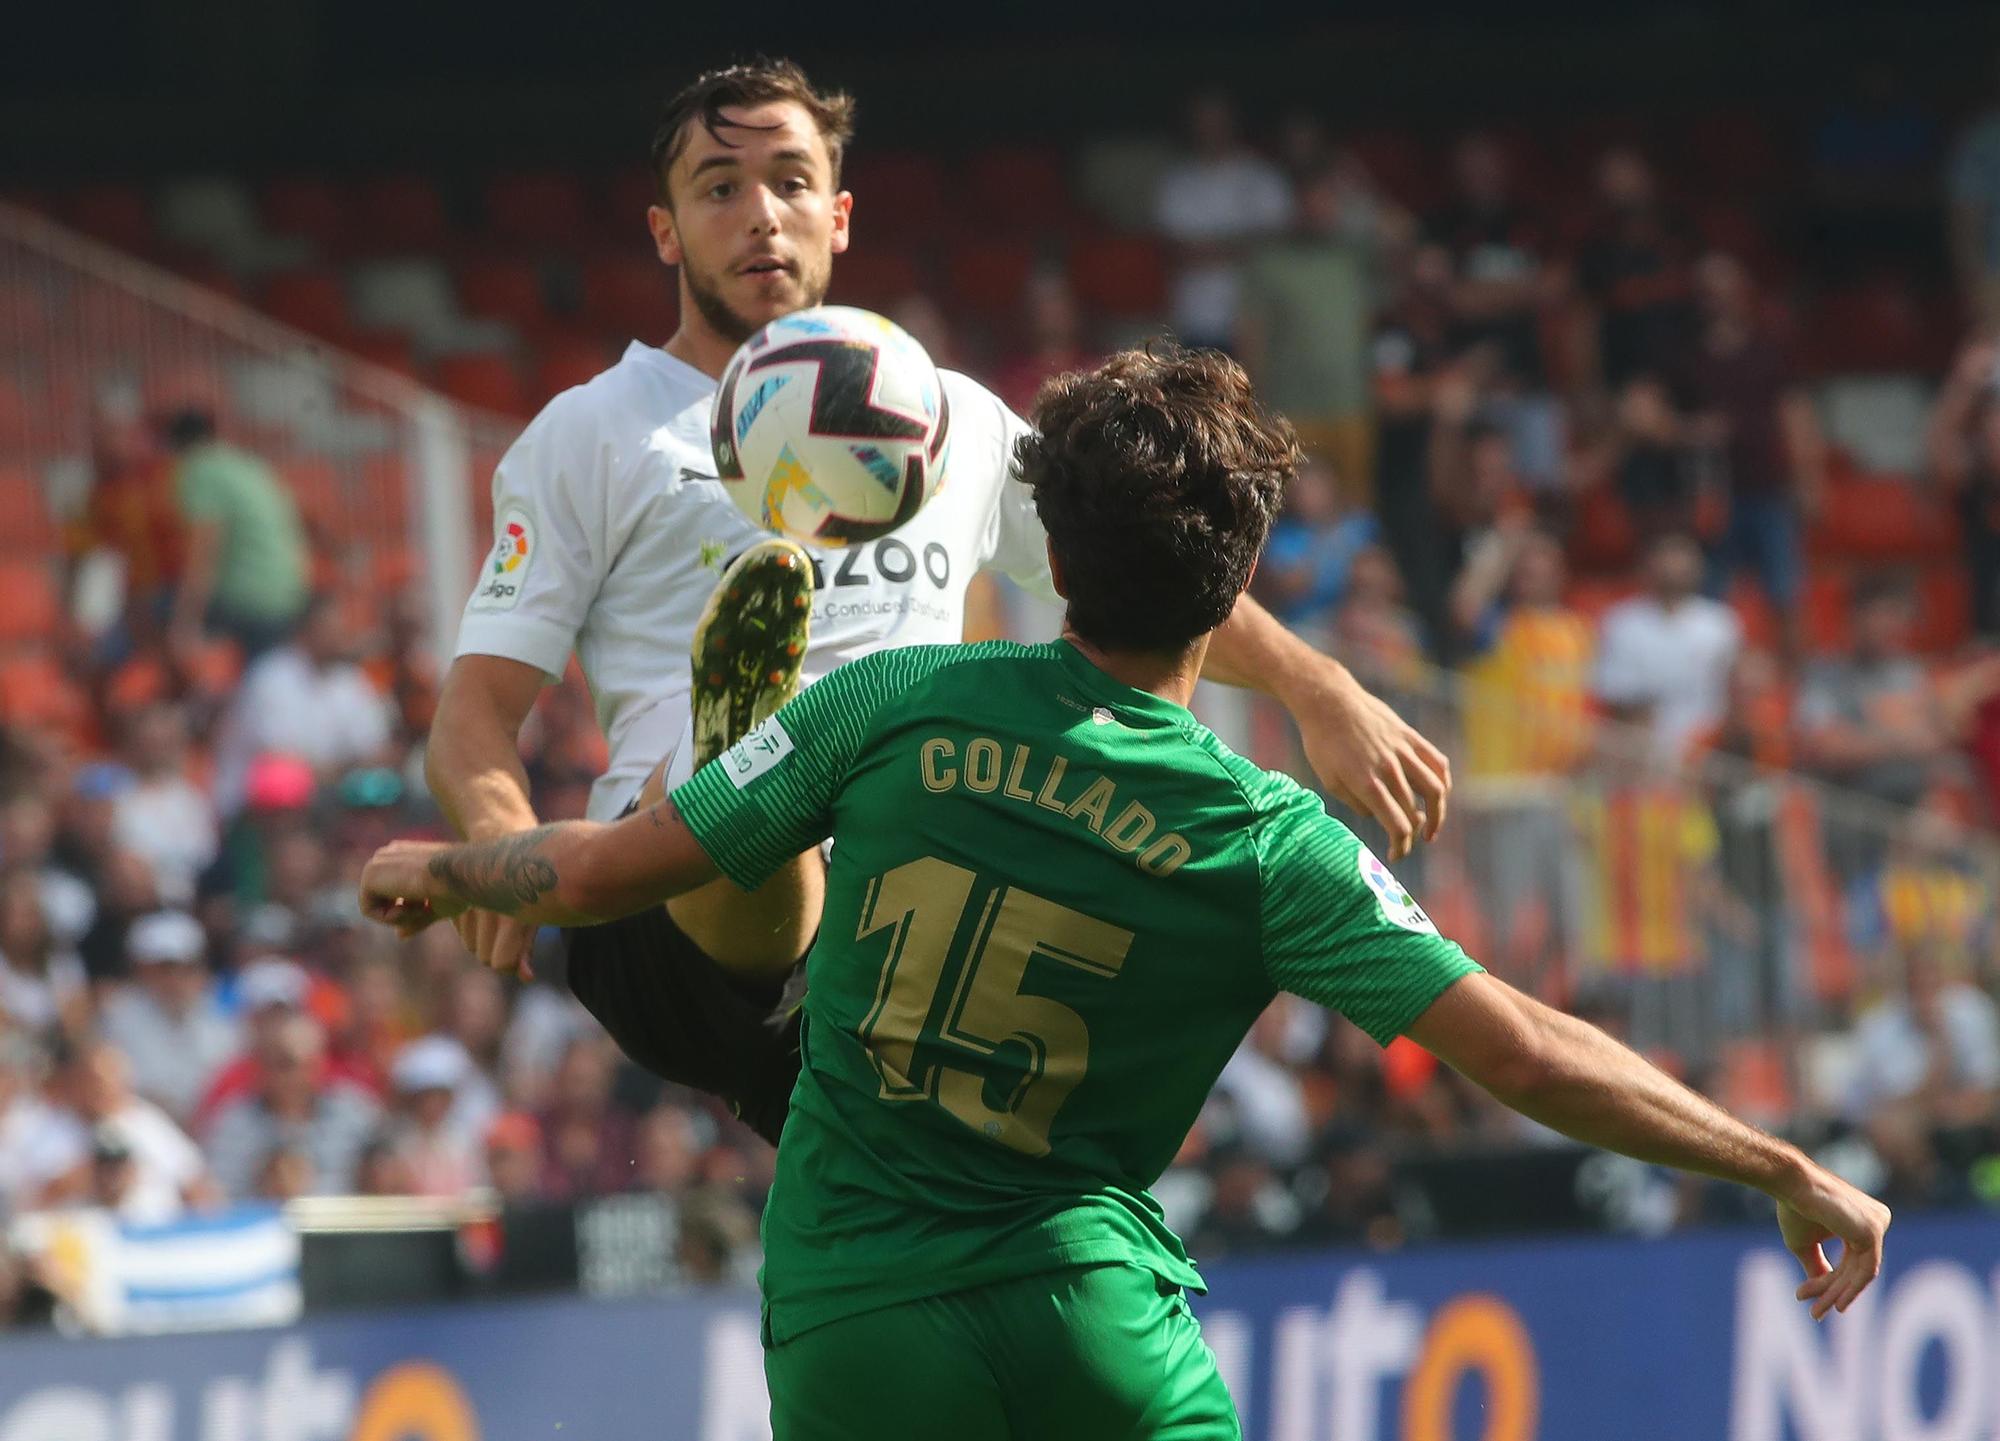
(391,478)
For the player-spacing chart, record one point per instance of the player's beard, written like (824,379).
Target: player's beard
(724,319)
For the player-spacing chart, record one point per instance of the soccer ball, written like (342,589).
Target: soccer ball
(830,426)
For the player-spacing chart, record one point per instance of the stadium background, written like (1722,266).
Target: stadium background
(370,241)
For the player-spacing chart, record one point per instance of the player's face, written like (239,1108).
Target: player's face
(755,221)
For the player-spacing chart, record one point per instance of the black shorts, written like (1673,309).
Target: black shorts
(684,1018)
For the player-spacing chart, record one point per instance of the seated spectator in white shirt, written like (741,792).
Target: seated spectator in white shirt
(1664,657)
(27,842)
(1222,196)
(306,699)
(441,1150)
(36,1141)
(1264,1091)
(169,1020)
(97,1085)
(164,816)
(297,1104)
(116,1185)
(42,983)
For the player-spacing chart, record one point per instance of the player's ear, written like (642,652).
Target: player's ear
(1056,571)
(843,218)
(666,234)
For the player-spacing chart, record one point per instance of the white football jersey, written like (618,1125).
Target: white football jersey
(610,531)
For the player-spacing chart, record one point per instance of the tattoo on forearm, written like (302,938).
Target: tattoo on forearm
(663,811)
(502,875)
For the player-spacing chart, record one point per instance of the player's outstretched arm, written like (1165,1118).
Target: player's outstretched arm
(1572,1077)
(1365,755)
(572,873)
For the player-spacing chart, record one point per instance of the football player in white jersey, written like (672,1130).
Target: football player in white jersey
(611,532)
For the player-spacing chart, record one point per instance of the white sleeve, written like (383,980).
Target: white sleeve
(549,554)
(1016,544)
(1620,676)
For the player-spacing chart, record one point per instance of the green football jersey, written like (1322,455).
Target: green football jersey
(1054,907)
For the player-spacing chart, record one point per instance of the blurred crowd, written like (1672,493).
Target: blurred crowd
(1568,479)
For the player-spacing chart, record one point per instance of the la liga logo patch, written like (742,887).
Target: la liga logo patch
(1399,907)
(507,569)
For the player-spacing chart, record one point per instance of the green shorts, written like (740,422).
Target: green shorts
(1095,1353)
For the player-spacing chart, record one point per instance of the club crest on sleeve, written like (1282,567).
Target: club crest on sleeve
(1399,907)
(756,753)
(506,569)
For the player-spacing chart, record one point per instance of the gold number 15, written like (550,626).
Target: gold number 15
(923,902)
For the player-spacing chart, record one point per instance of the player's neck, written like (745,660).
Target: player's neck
(695,344)
(1168,676)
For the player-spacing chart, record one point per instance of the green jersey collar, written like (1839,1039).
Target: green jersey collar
(1100,686)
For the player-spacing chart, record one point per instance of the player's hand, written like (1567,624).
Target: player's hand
(1369,759)
(1828,1209)
(397,889)
(502,943)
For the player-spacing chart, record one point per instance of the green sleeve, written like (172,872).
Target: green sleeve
(1339,930)
(771,795)
(197,488)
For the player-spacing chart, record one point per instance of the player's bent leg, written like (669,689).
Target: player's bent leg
(914,1372)
(675,1012)
(757,934)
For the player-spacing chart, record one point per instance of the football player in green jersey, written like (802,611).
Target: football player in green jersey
(1055,905)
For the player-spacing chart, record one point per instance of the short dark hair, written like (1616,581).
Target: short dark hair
(1156,476)
(737,87)
(1881,587)
(189,426)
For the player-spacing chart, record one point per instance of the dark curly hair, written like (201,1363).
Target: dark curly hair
(740,87)
(1156,476)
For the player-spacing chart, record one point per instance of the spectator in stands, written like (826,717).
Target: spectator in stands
(307,699)
(132,517)
(1261,1085)
(296,1104)
(1973,189)
(928,325)
(717,1244)
(1757,421)
(1303,324)
(42,985)
(1501,282)
(1969,701)
(1055,341)
(1870,723)
(1374,634)
(114,1183)
(125,891)
(405,671)
(514,1158)
(1635,269)
(1527,724)
(286,1175)
(1663,658)
(1875,164)
(27,843)
(1411,347)
(666,1152)
(386,1169)
(1758,980)
(442,1157)
(98,1096)
(587,1142)
(1962,449)
(245,569)
(1248,1209)
(1928,1064)
(36,1141)
(1932,895)
(169,1021)
(1649,458)
(1351,1195)
(1212,204)
(163,816)
(1304,572)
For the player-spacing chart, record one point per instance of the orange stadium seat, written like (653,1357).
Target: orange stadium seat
(1868,329)
(36,693)
(488,381)
(386,348)
(543,209)
(400,213)
(1121,275)
(17,417)
(1944,609)
(314,301)
(1880,518)
(631,296)
(621,213)
(986,277)
(500,289)
(30,609)
(311,209)
(26,506)
(1825,610)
